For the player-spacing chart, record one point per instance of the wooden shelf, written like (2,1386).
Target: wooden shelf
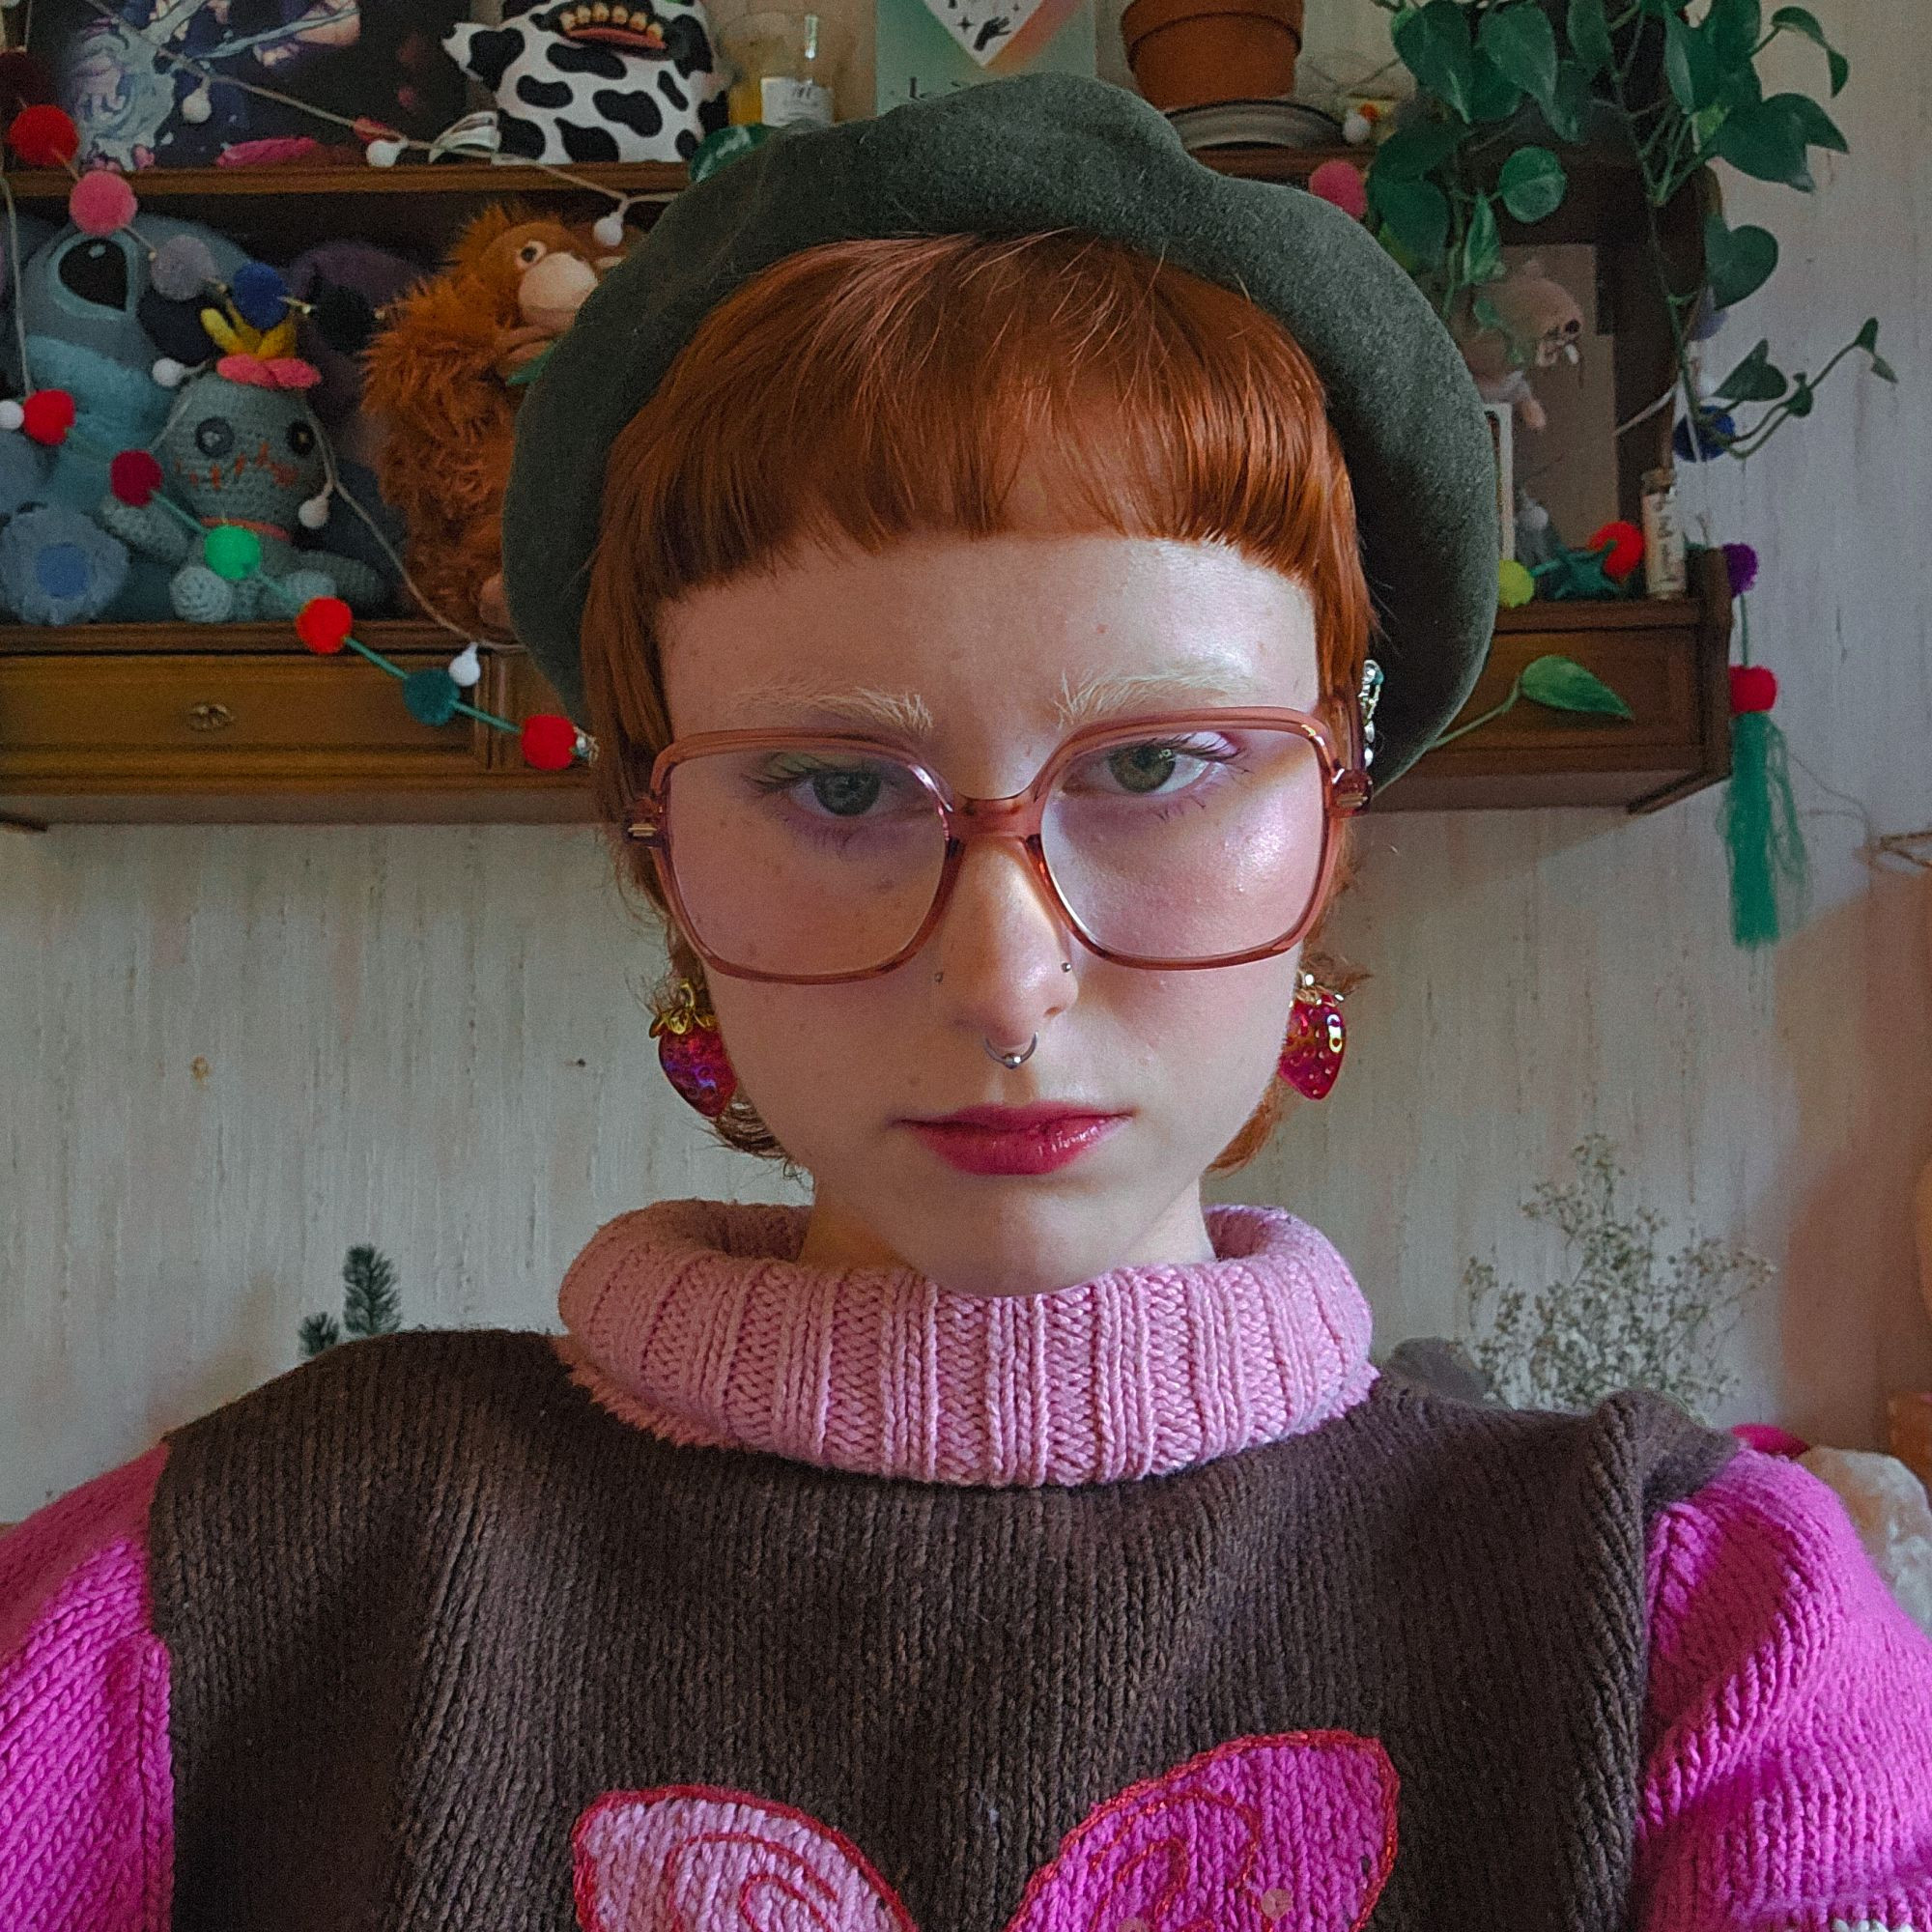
(36,187)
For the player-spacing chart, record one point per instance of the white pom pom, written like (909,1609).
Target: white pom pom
(167,372)
(197,106)
(465,667)
(383,154)
(314,512)
(1356,129)
(609,232)
(11,414)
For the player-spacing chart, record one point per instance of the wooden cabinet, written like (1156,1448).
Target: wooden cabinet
(136,724)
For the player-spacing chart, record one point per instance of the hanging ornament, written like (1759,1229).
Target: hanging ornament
(431,696)
(232,552)
(47,417)
(101,202)
(134,477)
(550,743)
(1311,1058)
(466,668)
(323,625)
(43,137)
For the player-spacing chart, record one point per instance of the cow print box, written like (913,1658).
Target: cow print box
(599,81)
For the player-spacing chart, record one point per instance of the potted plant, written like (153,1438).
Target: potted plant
(1186,53)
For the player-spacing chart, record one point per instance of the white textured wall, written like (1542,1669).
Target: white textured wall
(229,1053)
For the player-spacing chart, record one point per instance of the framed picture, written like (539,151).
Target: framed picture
(924,47)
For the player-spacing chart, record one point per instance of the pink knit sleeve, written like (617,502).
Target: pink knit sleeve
(1788,1737)
(86,1787)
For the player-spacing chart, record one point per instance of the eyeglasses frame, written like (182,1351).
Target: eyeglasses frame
(1014,819)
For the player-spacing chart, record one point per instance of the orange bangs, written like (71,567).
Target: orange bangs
(873,389)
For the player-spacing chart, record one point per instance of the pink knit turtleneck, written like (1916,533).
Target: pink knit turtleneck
(697,1321)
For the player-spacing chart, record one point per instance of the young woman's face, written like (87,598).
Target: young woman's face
(983,636)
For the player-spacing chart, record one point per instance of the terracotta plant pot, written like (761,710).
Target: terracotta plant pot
(1185,53)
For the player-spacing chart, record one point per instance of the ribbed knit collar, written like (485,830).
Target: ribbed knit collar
(695,1320)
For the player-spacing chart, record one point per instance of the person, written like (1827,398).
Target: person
(963,535)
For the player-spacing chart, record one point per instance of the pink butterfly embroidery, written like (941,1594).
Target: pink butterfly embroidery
(1293,1832)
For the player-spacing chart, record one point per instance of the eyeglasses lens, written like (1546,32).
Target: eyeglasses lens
(810,860)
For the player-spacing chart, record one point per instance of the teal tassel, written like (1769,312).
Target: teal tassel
(1770,871)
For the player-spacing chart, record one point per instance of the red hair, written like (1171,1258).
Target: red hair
(870,391)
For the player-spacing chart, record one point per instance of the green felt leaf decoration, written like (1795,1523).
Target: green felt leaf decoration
(1433,42)
(1756,379)
(1589,34)
(1532,184)
(1800,20)
(1562,684)
(1739,261)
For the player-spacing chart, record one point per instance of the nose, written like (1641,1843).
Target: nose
(998,947)
(553,290)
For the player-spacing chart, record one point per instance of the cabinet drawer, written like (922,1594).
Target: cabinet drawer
(123,712)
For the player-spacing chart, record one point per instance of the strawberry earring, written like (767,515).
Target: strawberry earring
(1317,1038)
(692,1052)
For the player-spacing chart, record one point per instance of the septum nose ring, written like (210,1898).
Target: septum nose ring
(1011,1060)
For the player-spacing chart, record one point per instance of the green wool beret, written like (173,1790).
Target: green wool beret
(1014,157)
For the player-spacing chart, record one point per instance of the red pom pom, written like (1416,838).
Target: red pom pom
(550,742)
(323,625)
(46,415)
(43,137)
(1753,687)
(134,477)
(1626,542)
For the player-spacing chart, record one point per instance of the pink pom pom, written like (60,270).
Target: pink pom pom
(1342,183)
(1768,1439)
(101,202)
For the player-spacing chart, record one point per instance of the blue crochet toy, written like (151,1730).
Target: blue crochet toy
(243,449)
(98,312)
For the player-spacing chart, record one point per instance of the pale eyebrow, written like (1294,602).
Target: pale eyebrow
(1101,694)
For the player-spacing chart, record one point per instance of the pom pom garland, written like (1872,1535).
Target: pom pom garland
(11,414)
(168,372)
(466,668)
(1740,567)
(323,625)
(608,231)
(1514,586)
(183,268)
(46,415)
(198,106)
(260,295)
(431,696)
(43,137)
(101,202)
(313,512)
(134,477)
(383,153)
(232,552)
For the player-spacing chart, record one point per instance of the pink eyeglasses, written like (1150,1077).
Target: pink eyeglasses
(1187,839)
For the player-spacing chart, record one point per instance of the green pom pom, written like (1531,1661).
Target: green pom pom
(431,695)
(231,551)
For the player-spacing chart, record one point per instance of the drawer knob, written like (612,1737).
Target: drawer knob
(208,717)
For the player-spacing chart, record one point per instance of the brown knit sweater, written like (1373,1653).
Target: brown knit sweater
(427,1604)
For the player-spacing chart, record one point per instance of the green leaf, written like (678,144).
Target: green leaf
(1562,684)
(1590,35)
(1492,97)
(1523,43)
(1739,261)
(1818,127)
(1483,244)
(1688,65)
(1411,153)
(1731,29)
(1764,140)
(1433,42)
(1799,20)
(1756,379)
(1417,214)
(1532,184)
(1567,108)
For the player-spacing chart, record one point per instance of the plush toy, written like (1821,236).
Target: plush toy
(597,82)
(1526,321)
(96,312)
(443,382)
(242,450)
